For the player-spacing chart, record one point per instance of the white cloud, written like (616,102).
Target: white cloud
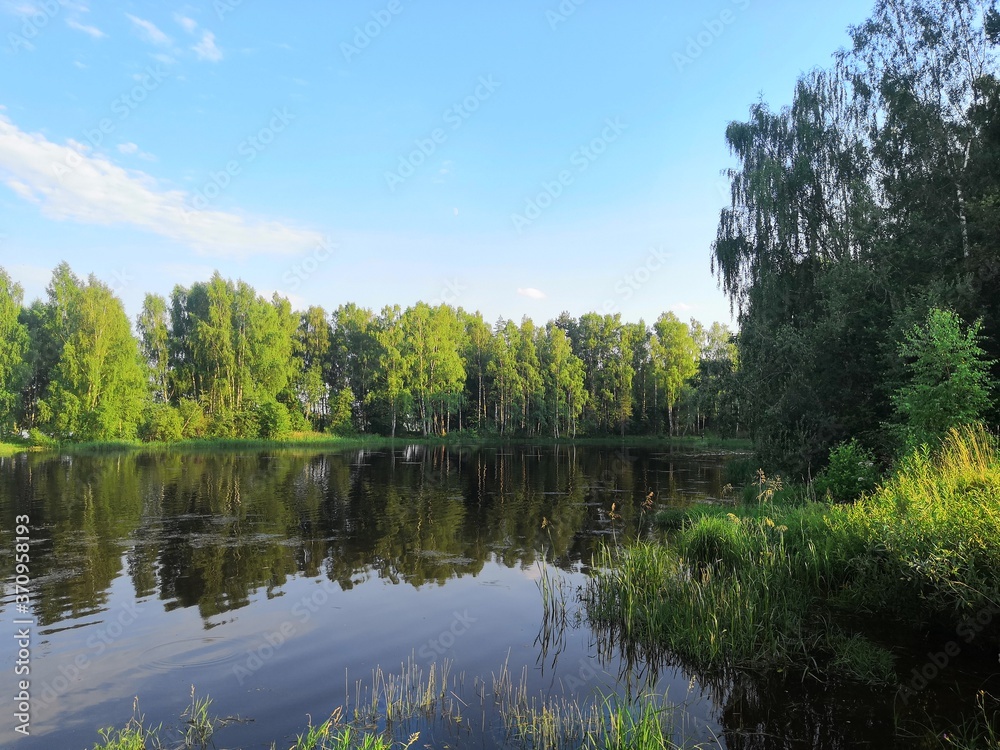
(149,32)
(93,31)
(681,307)
(69,184)
(531,293)
(79,64)
(128,148)
(189,24)
(206,49)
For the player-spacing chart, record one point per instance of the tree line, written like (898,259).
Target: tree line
(861,248)
(217,359)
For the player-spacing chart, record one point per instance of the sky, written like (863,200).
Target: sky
(516,158)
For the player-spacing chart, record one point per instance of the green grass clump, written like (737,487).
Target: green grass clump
(766,587)
(934,528)
(671,519)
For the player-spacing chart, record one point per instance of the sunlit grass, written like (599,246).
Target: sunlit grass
(764,588)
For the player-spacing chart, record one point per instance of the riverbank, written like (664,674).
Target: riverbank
(320,441)
(800,587)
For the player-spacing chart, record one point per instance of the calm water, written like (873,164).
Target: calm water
(275,582)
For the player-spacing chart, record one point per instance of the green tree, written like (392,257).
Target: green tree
(949,376)
(154,337)
(99,389)
(312,347)
(565,391)
(14,341)
(675,357)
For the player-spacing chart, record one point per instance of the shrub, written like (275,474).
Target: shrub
(162,423)
(850,473)
(273,420)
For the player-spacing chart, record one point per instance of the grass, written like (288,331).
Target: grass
(772,586)
(379,718)
(979,733)
(324,440)
(606,723)
(13,446)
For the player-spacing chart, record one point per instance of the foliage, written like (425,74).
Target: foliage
(851,472)
(162,423)
(98,387)
(273,420)
(13,348)
(767,588)
(949,384)
(866,202)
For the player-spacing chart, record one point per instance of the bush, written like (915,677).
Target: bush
(38,438)
(194,424)
(245,423)
(274,422)
(162,424)
(850,473)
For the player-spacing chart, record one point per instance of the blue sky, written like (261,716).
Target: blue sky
(519,158)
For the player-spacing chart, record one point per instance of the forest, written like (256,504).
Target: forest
(217,360)
(859,253)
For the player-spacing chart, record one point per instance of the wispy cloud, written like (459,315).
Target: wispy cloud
(93,31)
(149,32)
(206,49)
(189,24)
(131,149)
(94,190)
(531,293)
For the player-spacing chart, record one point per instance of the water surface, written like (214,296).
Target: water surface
(276,582)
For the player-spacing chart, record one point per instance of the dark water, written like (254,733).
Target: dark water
(276,582)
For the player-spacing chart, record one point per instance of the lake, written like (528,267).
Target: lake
(284,584)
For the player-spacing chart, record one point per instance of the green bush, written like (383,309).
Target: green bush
(162,424)
(273,420)
(850,473)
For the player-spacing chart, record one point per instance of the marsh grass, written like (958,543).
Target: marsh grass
(770,587)
(555,722)
(982,732)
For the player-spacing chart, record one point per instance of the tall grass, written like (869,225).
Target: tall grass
(767,588)
(934,529)
(558,723)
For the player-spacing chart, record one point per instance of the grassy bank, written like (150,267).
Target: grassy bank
(320,441)
(789,588)
(12,447)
